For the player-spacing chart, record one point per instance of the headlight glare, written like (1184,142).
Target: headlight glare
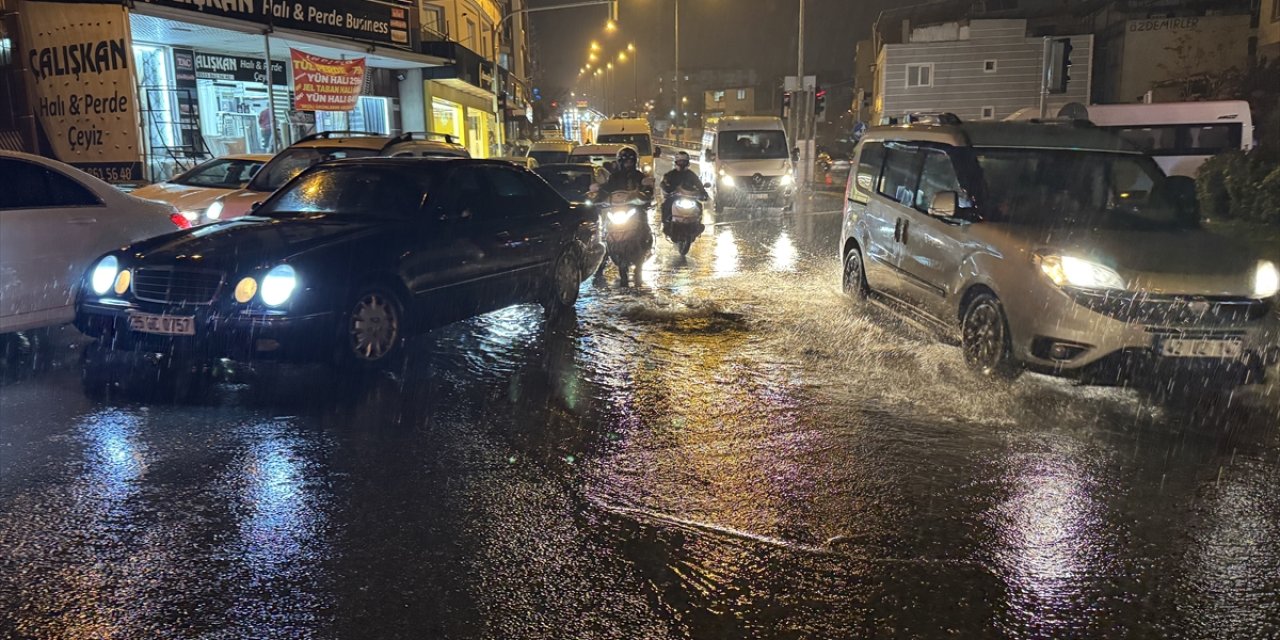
(104,274)
(788,180)
(686,203)
(1078,272)
(1266,280)
(246,289)
(214,211)
(278,285)
(726,181)
(619,216)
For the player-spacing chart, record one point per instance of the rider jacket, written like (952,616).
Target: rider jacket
(623,180)
(683,178)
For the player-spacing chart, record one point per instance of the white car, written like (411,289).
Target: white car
(54,220)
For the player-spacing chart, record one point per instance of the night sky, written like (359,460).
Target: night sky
(756,34)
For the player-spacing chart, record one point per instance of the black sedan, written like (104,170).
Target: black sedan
(574,181)
(344,262)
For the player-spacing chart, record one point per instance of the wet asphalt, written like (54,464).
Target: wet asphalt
(728,450)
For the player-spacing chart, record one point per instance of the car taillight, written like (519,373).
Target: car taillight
(179,220)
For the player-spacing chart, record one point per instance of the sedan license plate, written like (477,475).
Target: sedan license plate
(163,325)
(1182,348)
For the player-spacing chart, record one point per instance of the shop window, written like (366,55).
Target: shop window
(446,117)
(372,115)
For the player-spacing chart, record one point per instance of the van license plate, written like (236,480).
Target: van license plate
(760,196)
(1180,348)
(163,325)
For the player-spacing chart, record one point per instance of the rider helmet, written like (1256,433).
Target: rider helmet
(682,160)
(627,159)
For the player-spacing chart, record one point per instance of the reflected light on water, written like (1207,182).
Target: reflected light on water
(115,459)
(726,253)
(783,253)
(280,519)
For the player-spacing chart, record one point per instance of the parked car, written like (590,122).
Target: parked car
(344,261)
(551,151)
(519,161)
(329,145)
(1055,247)
(574,182)
(54,220)
(193,191)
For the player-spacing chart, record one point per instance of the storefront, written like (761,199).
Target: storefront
(461,102)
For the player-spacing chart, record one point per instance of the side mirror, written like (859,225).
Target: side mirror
(795,154)
(657,152)
(709,155)
(944,205)
(254,206)
(706,185)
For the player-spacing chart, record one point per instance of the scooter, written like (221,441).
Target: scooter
(627,237)
(686,219)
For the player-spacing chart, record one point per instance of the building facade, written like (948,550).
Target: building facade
(1269,30)
(1142,55)
(734,101)
(978,70)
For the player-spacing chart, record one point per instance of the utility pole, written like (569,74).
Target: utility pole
(679,102)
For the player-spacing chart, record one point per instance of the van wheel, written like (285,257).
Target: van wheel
(855,276)
(984,335)
(373,328)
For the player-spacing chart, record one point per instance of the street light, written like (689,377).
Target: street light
(635,75)
(595,46)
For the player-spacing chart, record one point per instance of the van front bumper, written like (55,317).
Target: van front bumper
(1111,336)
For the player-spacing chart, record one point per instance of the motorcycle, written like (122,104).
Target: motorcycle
(627,237)
(686,219)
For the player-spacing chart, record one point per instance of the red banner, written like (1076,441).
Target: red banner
(324,84)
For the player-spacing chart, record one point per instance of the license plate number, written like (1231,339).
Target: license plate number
(760,196)
(1181,348)
(163,325)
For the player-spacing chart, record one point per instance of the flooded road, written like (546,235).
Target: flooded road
(726,451)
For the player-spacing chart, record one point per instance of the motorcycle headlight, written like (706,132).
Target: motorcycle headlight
(726,181)
(1078,272)
(1266,280)
(278,285)
(104,274)
(686,203)
(214,211)
(788,180)
(619,216)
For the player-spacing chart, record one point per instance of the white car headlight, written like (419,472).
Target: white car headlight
(214,211)
(278,285)
(1078,272)
(619,216)
(788,180)
(104,274)
(726,181)
(1266,280)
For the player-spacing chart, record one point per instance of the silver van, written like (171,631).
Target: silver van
(1056,247)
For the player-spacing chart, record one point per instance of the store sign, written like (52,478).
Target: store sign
(369,20)
(325,84)
(215,66)
(80,79)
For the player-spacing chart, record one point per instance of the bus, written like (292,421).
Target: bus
(1179,135)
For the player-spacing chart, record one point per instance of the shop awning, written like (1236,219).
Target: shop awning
(162,25)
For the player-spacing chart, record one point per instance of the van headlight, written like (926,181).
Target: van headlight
(787,180)
(727,181)
(104,275)
(214,211)
(1078,272)
(278,285)
(1266,280)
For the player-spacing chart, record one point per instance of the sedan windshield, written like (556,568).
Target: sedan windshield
(364,191)
(1066,188)
(753,145)
(291,162)
(223,173)
(571,182)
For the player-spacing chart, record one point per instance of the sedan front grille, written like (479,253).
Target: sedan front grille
(190,286)
(1172,310)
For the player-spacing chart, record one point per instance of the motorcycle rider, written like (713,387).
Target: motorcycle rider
(626,176)
(680,177)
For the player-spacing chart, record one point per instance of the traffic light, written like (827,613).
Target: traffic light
(1059,65)
(820,101)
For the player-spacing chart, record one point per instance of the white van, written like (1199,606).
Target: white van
(1179,135)
(630,131)
(747,161)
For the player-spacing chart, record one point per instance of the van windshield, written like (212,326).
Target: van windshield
(291,162)
(638,140)
(550,157)
(1078,189)
(753,145)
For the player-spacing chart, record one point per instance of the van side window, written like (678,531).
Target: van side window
(869,162)
(898,181)
(937,174)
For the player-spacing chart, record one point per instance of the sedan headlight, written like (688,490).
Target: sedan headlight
(1078,272)
(278,285)
(726,181)
(1266,280)
(104,275)
(214,211)
(787,180)
(619,216)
